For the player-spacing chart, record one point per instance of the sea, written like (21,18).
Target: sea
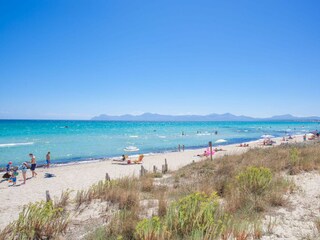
(78,141)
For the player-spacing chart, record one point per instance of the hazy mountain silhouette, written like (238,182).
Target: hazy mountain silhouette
(210,117)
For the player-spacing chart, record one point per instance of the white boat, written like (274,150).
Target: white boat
(221,141)
(131,149)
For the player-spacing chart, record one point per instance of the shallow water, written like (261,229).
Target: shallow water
(70,141)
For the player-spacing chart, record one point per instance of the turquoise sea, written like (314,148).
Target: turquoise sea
(72,141)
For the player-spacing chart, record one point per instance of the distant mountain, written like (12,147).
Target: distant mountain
(292,118)
(210,117)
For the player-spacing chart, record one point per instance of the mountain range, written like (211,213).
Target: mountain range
(210,117)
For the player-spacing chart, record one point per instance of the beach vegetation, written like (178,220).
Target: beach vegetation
(221,199)
(40,220)
(100,233)
(196,216)
(64,200)
(162,206)
(123,191)
(146,183)
(123,224)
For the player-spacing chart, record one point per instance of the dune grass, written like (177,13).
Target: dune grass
(40,220)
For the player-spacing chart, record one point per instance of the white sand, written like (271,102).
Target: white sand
(81,176)
(297,220)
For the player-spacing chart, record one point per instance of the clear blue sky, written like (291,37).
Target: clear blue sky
(73,59)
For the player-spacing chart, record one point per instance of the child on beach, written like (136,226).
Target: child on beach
(13,177)
(24,168)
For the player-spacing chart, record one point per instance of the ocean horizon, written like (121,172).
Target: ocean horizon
(83,140)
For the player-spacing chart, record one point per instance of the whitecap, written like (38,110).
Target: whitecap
(15,144)
(204,134)
(133,136)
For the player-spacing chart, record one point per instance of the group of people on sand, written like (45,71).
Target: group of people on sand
(268,142)
(244,145)
(311,136)
(12,171)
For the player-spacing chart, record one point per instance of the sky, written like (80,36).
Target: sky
(75,59)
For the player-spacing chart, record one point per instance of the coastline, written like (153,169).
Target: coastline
(80,176)
(86,160)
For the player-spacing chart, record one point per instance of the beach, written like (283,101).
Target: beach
(80,176)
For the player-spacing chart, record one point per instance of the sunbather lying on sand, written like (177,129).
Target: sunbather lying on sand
(219,149)
(126,160)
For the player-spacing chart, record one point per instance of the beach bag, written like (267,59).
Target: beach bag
(6,175)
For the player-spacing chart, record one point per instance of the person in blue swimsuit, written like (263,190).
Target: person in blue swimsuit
(8,167)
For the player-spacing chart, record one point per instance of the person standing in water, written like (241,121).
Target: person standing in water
(48,159)
(33,164)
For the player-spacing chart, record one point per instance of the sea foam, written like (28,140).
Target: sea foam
(15,144)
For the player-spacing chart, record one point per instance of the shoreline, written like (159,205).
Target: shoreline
(81,176)
(85,160)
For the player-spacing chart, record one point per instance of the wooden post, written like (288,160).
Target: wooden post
(210,146)
(154,169)
(48,198)
(142,171)
(108,177)
(163,169)
(166,165)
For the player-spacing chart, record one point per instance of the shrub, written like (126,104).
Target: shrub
(294,161)
(162,206)
(149,229)
(122,225)
(248,191)
(194,216)
(254,180)
(147,184)
(40,220)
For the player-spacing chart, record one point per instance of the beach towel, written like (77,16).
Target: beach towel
(49,175)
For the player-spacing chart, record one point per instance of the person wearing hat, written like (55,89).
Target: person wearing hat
(8,167)
(7,175)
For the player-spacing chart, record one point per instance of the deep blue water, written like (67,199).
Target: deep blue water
(81,140)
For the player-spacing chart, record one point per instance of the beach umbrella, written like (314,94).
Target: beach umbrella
(267,136)
(221,141)
(315,132)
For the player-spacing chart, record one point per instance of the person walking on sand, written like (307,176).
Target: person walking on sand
(33,164)
(48,159)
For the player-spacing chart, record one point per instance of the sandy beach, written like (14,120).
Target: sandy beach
(80,176)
